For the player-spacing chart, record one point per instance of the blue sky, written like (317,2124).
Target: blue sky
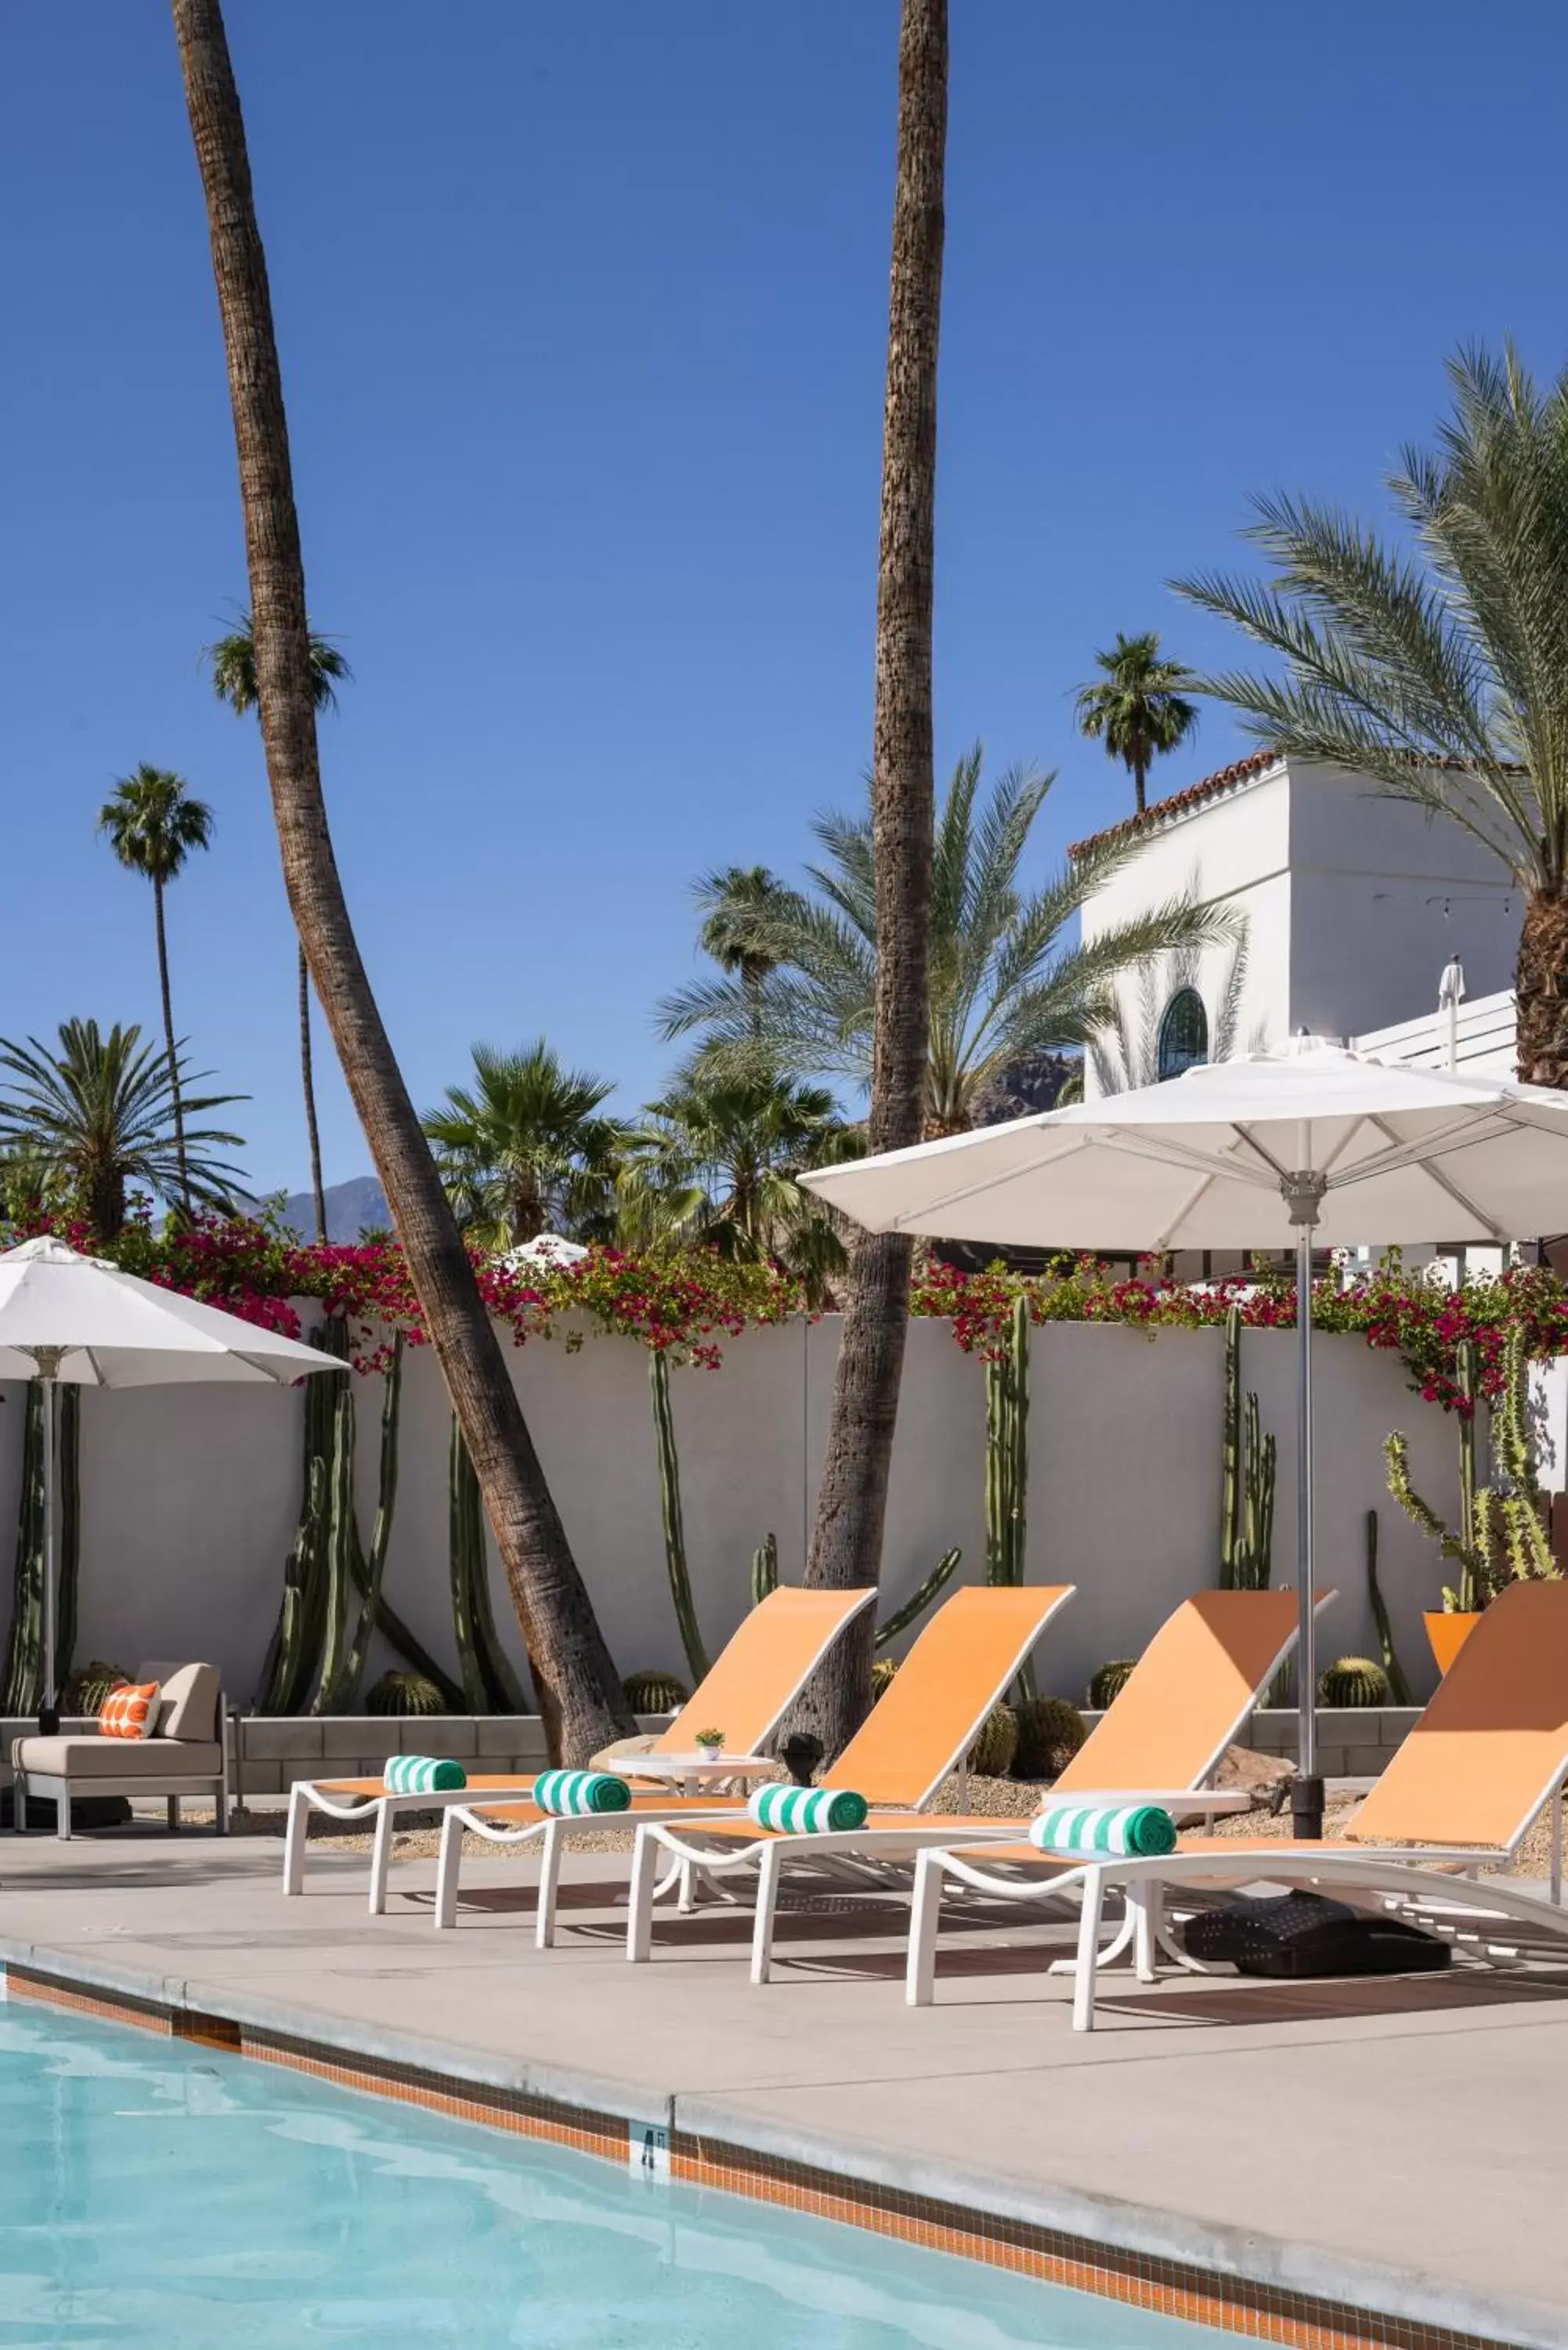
(581,311)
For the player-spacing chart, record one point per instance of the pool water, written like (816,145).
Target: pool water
(153,2192)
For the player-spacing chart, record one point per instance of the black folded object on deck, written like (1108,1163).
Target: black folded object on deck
(1300,1934)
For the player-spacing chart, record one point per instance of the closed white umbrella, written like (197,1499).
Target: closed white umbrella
(1311,1146)
(67,1316)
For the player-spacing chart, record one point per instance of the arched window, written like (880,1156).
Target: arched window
(1183,1034)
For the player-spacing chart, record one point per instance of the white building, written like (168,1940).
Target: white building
(1351,905)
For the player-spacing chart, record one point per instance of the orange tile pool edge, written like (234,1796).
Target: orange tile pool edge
(1256,2313)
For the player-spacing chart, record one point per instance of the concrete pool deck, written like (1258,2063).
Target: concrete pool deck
(1399,2145)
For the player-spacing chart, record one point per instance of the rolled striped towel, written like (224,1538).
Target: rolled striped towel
(1138,1831)
(422,1775)
(574,1795)
(808,1811)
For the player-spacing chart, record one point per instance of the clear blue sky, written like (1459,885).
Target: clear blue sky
(582,311)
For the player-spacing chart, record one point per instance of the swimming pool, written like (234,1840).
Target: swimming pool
(156,2192)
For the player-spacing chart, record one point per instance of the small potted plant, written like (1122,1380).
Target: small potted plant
(711,1743)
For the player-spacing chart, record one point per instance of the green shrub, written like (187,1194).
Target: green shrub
(654,1692)
(1109,1682)
(1353,1680)
(991,1756)
(1050,1733)
(407,1693)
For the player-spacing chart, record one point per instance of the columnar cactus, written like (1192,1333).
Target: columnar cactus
(1502,1526)
(946,1568)
(674,1523)
(1249,1460)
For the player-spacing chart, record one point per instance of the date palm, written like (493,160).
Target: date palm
(100,1115)
(1439,668)
(1138,706)
(523,1149)
(574,1674)
(233,660)
(1005,982)
(153,823)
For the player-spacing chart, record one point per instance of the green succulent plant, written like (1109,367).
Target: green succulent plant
(991,1756)
(654,1692)
(406,1694)
(882,1676)
(1353,1680)
(1050,1731)
(84,1694)
(1109,1684)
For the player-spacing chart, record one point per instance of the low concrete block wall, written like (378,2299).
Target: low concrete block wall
(269,1754)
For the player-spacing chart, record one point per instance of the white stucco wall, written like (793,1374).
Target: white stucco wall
(191,1495)
(1354,902)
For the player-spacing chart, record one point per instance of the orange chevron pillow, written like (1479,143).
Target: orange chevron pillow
(130,1711)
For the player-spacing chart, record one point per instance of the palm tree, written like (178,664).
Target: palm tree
(523,1149)
(715,1164)
(579,1692)
(153,823)
(852,1495)
(1138,707)
(103,1113)
(1003,984)
(233,659)
(735,902)
(1440,671)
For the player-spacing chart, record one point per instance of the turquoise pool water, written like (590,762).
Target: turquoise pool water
(156,2193)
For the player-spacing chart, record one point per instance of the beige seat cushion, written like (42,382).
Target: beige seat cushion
(118,1757)
(189,1704)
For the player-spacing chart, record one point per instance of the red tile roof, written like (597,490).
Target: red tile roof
(1240,771)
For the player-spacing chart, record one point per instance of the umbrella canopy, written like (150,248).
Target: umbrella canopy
(1204,1161)
(1312,1144)
(109,1329)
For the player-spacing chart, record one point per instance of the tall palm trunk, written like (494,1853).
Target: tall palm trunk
(1540,991)
(852,1500)
(1141,772)
(308,1078)
(579,1692)
(177,1105)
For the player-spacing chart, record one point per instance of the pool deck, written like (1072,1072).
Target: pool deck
(1400,2145)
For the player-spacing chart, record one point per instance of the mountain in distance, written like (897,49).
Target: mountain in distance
(354,1207)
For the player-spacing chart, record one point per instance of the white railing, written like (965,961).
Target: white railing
(1479,1035)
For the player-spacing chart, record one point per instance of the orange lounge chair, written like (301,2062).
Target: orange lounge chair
(1165,1733)
(747,1693)
(1487,1757)
(970,1650)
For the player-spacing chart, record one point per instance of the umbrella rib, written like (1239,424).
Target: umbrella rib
(984,1183)
(1164,1240)
(1430,1167)
(1417,1154)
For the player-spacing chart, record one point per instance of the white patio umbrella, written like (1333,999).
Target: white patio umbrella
(1311,1146)
(67,1316)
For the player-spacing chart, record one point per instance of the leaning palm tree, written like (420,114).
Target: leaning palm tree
(104,1113)
(523,1150)
(233,660)
(1440,671)
(153,823)
(714,1165)
(1138,706)
(852,1493)
(579,1690)
(1005,982)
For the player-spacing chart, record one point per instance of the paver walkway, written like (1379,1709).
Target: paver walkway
(1329,2135)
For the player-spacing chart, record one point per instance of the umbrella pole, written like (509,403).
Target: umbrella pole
(1303,1197)
(48,1711)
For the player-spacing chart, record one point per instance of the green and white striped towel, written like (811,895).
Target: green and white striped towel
(1137,1830)
(422,1775)
(808,1811)
(577,1794)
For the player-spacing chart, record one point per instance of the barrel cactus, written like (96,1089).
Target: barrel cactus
(1050,1731)
(991,1756)
(882,1673)
(654,1692)
(84,1694)
(1109,1682)
(405,1693)
(1353,1680)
